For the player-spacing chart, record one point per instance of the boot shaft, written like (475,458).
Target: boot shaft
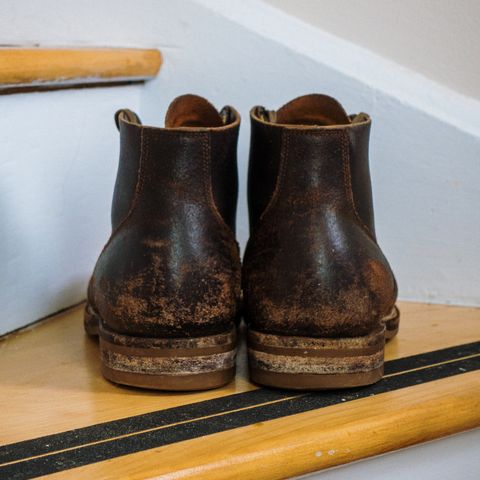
(178,174)
(310,154)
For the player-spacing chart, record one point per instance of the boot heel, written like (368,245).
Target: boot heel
(90,321)
(392,323)
(308,363)
(196,363)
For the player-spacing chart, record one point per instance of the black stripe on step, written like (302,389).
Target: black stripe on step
(137,423)
(430,358)
(285,405)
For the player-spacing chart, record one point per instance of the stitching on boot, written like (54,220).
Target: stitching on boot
(284,149)
(347,180)
(144,148)
(207,183)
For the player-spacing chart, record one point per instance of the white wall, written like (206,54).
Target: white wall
(437,38)
(57,163)
(443,459)
(59,150)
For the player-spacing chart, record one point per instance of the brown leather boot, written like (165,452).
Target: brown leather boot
(165,292)
(319,294)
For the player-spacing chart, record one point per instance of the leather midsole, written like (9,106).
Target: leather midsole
(168,365)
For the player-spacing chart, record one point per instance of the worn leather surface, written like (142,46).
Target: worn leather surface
(312,266)
(171,267)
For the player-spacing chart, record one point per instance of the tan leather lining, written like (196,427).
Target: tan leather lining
(314,109)
(192,111)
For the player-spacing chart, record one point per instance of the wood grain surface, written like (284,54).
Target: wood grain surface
(50,383)
(31,67)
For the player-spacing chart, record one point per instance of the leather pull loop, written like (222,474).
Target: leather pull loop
(131,117)
(117,120)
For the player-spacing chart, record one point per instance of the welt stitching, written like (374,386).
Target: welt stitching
(347,180)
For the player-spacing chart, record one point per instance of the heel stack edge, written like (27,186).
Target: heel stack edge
(178,364)
(308,363)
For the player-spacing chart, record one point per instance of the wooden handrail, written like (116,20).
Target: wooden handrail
(59,67)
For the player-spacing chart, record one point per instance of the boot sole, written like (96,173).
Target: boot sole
(392,323)
(309,363)
(197,363)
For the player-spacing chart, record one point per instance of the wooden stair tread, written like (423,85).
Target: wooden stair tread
(51,384)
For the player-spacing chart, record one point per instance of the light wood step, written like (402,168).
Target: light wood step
(58,415)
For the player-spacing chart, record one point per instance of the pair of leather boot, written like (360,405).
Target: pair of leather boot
(168,291)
